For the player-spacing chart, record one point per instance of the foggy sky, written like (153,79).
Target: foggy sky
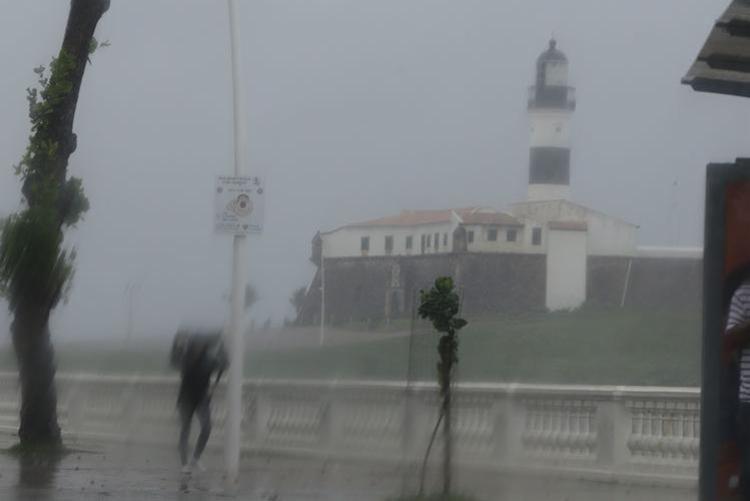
(355,109)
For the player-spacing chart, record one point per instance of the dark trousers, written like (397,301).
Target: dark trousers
(202,410)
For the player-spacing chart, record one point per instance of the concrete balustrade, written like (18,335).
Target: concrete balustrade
(624,434)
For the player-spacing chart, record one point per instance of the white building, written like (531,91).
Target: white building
(607,235)
(418,232)
(546,223)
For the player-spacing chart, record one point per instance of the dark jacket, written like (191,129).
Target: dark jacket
(196,374)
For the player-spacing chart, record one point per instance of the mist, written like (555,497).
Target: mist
(355,110)
(406,164)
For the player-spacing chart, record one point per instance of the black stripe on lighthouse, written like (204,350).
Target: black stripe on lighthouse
(549,165)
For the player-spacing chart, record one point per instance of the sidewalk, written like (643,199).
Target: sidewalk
(113,472)
(106,472)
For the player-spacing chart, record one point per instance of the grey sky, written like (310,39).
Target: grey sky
(356,108)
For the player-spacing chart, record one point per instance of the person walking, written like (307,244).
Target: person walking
(737,371)
(199,360)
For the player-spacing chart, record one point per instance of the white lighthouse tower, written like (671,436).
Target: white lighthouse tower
(551,105)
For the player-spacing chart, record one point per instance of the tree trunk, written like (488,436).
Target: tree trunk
(83,17)
(423,473)
(36,365)
(448,355)
(30,328)
(447,438)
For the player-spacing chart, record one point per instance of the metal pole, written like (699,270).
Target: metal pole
(627,284)
(239,275)
(322,297)
(130,313)
(410,359)
(130,291)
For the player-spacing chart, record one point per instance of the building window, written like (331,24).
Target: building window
(437,241)
(429,241)
(536,236)
(492,235)
(389,244)
(422,243)
(445,240)
(409,242)
(470,236)
(364,244)
(511,235)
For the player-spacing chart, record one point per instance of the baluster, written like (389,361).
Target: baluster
(660,451)
(638,431)
(542,421)
(544,441)
(566,437)
(592,433)
(575,429)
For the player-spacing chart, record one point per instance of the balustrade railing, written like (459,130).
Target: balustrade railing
(631,431)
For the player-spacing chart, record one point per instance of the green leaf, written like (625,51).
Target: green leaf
(459,323)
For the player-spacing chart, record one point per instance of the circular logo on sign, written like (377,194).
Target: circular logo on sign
(242,205)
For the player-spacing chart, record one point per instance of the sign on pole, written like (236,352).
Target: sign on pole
(239,204)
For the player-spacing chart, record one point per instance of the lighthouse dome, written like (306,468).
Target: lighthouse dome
(551,68)
(552,54)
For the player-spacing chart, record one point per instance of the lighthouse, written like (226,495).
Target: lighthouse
(551,105)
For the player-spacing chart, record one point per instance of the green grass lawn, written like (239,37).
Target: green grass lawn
(613,347)
(586,347)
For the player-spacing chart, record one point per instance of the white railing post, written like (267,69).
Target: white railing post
(415,433)
(508,426)
(428,412)
(328,418)
(250,426)
(131,410)
(262,415)
(418,421)
(408,424)
(613,429)
(75,404)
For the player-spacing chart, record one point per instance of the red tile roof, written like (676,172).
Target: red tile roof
(416,217)
(490,218)
(468,215)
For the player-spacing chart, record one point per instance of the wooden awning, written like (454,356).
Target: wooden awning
(723,64)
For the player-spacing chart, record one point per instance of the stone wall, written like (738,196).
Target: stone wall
(502,282)
(375,289)
(675,283)
(605,280)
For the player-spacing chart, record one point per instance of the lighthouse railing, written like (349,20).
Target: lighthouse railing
(560,97)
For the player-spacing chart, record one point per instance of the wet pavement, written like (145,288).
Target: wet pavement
(122,472)
(150,473)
